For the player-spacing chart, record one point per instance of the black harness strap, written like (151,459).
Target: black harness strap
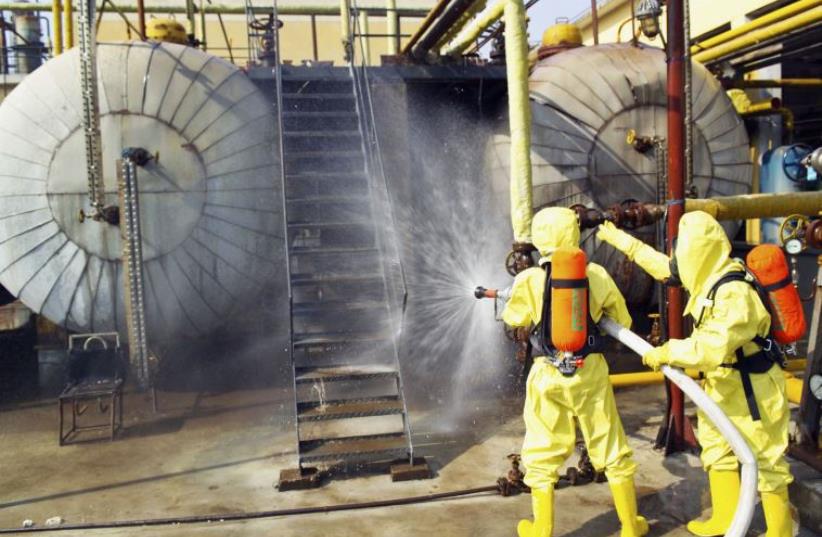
(541,339)
(761,361)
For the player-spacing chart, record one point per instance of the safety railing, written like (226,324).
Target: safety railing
(747,497)
(396,287)
(278,89)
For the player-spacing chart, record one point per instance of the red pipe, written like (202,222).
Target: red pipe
(677,434)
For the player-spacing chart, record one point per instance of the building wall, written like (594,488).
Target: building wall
(296,36)
(706,15)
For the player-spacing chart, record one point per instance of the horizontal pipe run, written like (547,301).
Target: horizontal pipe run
(756,36)
(747,497)
(440,27)
(320,9)
(760,22)
(751,206)
(424,25)
(779,83)
(793,388)
(228,517)
(471,32)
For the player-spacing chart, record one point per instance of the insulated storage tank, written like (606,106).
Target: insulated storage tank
(210,201)
(583,103)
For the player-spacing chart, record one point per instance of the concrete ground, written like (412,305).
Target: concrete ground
(211,453)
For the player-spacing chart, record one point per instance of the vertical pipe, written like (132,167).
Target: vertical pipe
(519,118)
(364,39)
(4,56)
(141,19)
(345,28)
(190,18)
(203,40)
(392,25)
(314,46)
(57,17)
(595,21)
(68,23)
(675,423)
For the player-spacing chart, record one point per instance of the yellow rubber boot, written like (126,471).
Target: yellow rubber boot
(542,502)
(624,494)
(777,509)
(724,487)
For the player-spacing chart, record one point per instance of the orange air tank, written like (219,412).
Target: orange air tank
(569,299)
(768,264)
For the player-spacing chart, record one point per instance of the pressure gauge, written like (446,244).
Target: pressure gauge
(794,246)
(816,386)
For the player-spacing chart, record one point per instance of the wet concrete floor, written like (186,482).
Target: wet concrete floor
(212,453)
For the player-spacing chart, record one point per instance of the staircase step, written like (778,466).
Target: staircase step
(305,375)
(317,279)
(328,103)
(322,134)
(353,447)
(336,338)
(351,408)
(326,86)
(336,306)
(301,95)
(320,114)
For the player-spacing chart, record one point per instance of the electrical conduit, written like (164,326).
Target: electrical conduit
(519,119)
(747,497)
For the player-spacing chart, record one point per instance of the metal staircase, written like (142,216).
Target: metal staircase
(344,356)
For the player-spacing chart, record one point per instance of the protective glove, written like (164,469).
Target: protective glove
(656,357)
(617,238)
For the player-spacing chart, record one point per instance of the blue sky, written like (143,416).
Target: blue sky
(545,12)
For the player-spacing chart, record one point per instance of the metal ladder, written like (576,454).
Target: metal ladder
(343,352)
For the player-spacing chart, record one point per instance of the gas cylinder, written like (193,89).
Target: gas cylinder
(569,300)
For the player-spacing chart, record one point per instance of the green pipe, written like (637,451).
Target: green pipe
(306,9)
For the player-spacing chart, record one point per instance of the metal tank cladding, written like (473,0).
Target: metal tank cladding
(583,103)
(211,223)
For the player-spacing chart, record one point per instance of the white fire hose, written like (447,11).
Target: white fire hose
(747,496)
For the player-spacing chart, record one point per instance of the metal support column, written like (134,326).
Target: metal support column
(676,433)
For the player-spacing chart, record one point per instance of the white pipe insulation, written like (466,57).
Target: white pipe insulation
(747,496)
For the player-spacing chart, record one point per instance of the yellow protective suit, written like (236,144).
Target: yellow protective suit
(553,400)
(733,319)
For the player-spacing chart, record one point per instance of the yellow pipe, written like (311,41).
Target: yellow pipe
(393,26)
(68,18)
(345,26)
(796,364)
(757,36)
(793,388)
(460,23)
(760,22)
(749,206)
(780,83)
(57,21)
(471,32)
(643,378)
(365,40)
(519,119)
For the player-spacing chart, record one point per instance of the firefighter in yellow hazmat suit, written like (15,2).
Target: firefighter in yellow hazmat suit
(553,399)
(728,319)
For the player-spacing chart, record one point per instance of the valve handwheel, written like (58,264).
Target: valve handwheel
(792,163)
(792,228)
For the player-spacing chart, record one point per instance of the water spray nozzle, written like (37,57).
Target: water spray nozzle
(481,292)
